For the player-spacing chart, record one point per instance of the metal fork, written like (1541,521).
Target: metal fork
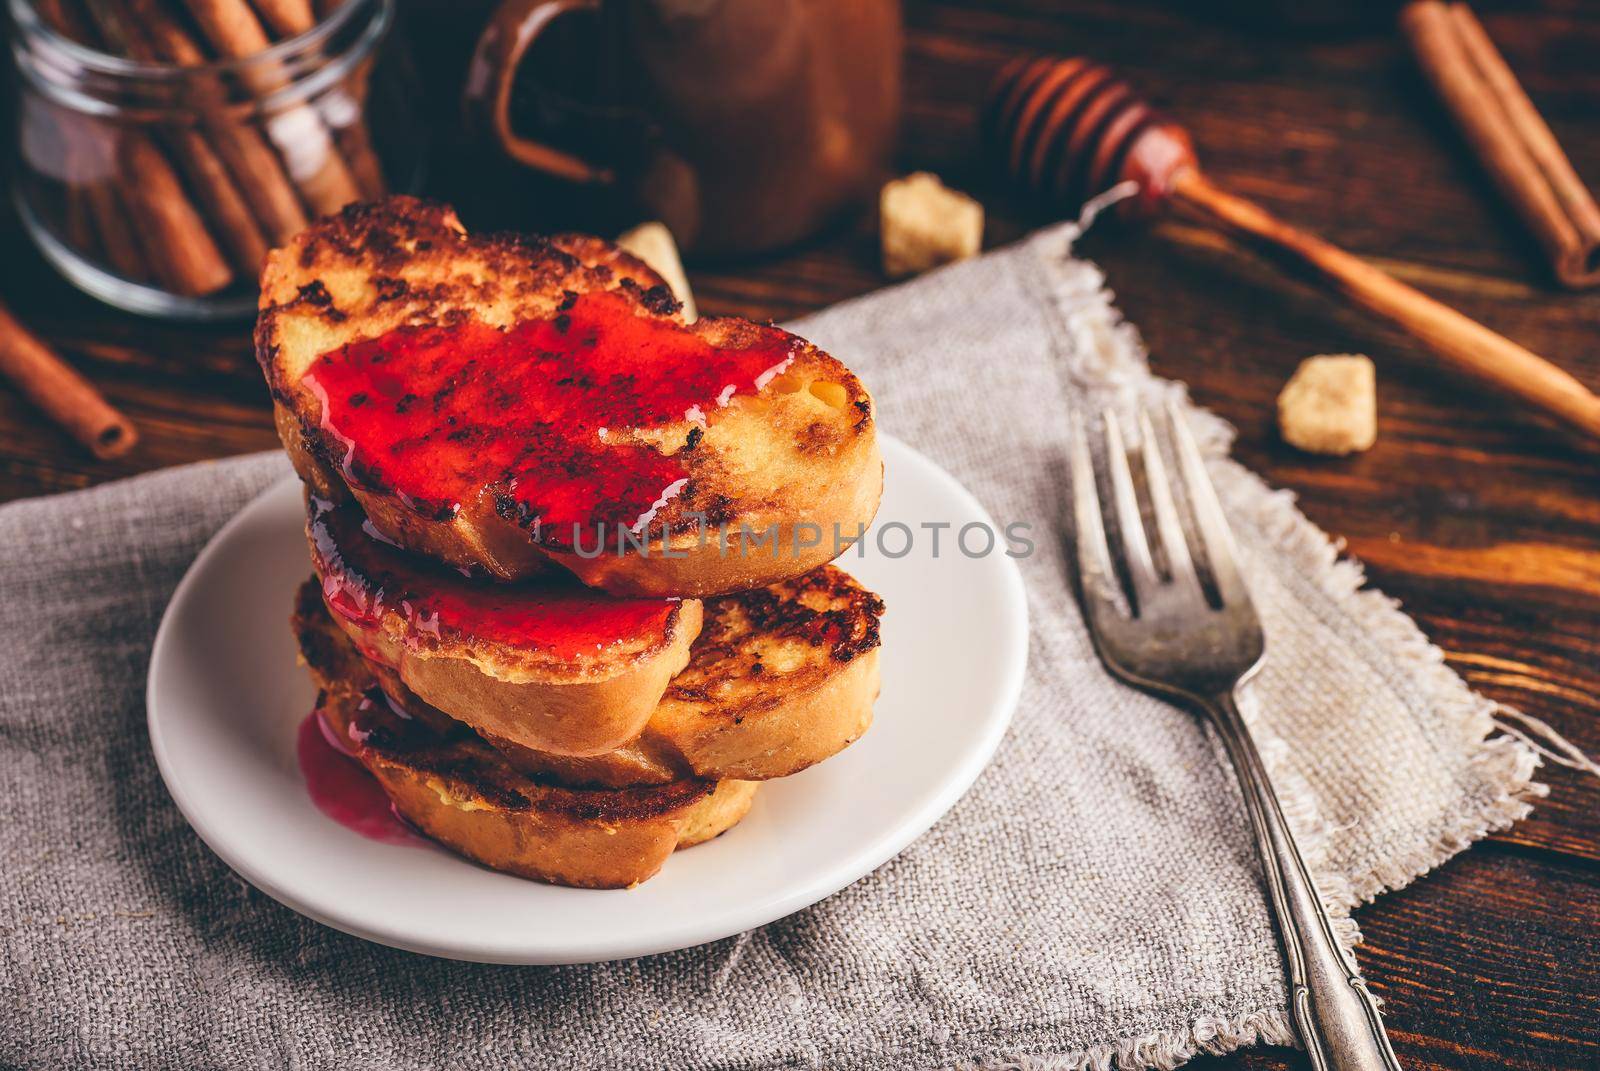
(1176,643)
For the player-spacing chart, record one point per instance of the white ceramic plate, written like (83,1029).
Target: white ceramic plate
(225,698)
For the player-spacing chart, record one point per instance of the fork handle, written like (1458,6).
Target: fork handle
(1335,1015)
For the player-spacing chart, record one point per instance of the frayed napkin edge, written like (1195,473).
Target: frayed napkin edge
(1160,1050)
(1088,323)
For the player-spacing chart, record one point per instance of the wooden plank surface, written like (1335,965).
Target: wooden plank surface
(1483,522)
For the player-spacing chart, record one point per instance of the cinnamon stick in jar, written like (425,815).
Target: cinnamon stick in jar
(103,228)
(172,237)
(289,17)
(214,188)
(171,231)
(253,163)
(309,154)
(1507,134)
(110,218)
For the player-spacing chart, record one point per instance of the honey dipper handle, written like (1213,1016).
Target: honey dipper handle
(1466,344)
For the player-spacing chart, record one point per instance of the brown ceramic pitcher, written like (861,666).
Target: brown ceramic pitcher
(743,124)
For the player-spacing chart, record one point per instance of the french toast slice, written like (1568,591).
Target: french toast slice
(546,664)
(779,679)
(502,403)
(461,792)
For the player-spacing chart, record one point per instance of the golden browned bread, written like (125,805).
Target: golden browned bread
(503,402)
(779,679)
(546,663)
(462,792)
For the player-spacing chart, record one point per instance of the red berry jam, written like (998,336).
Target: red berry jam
(342,788)
(365,577)
(534,418)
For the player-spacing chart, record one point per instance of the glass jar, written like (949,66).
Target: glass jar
(157,180)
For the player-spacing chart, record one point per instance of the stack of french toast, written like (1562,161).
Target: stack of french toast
(572,598)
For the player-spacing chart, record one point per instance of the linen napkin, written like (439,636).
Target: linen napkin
(1094,901)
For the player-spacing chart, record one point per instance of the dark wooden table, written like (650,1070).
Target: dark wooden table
(1484,523)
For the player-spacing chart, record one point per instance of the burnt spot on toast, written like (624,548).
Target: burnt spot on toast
(659,300)
(390,288)
(824,608)
(315,295)
(757,646)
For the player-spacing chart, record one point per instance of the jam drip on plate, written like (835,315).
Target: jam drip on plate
(364,577)
(342,788)
(536,417)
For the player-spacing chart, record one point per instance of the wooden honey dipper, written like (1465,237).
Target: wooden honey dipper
(1070,128)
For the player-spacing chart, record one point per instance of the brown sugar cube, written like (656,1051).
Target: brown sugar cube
(924,224)
(1330,404)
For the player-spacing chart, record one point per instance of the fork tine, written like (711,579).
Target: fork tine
(1094,556)
(1221,551)
(1134,547)
(1168,528)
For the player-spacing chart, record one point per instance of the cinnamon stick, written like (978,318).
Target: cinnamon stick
(173,239)
(110,217)
(172,233)
(1507,134)
(272,195)
(224,205)
(355,140)
(64,395)
(77,223)
(286,17)
(311,158)
(230,25)
(289,17)
(213,186)
(249,159)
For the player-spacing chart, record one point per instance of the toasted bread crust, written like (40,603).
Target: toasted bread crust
(585,702)
(576,710)
(462,793)
(780,679)
(801,453)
